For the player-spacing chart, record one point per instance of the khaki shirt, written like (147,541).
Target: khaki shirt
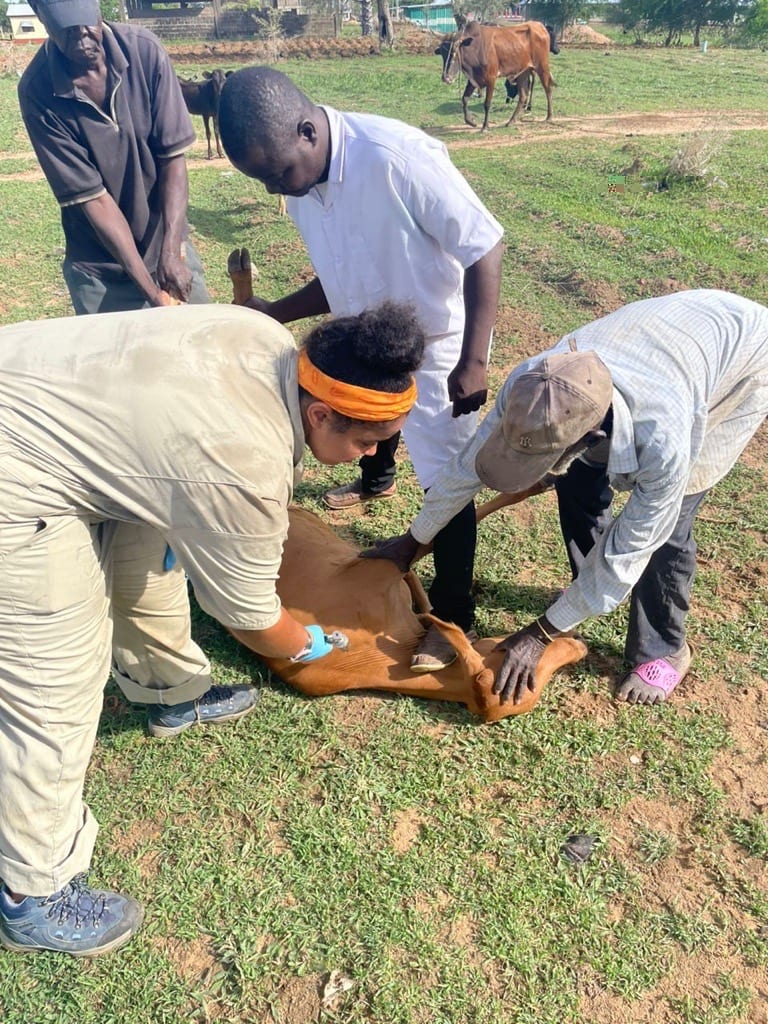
(183,418)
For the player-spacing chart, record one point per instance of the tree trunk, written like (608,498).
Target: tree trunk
(366,17)
(386,29)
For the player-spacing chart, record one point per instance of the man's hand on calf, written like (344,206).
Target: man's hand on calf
(524,649)
(174,276)
(401,550)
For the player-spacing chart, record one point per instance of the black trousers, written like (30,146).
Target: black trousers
(660,599)
(454,546)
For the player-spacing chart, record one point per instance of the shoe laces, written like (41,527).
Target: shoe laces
(216,694)
(76,900)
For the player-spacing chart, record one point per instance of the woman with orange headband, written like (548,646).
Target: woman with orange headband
(356,386)
(121,435)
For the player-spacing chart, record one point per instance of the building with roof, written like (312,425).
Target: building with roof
(25,27)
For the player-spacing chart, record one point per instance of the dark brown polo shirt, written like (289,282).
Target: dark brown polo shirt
(84,151)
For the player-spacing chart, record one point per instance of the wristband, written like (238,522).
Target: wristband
(316,646)
(542,630)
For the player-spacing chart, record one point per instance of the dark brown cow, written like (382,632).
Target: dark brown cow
(202,98)
(484,53)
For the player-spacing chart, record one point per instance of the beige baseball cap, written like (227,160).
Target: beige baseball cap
(549,408)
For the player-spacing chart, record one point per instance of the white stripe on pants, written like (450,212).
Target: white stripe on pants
(56,576)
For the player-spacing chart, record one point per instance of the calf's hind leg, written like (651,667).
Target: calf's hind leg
(240,272)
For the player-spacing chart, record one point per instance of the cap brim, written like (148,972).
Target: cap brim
(502,469)
(64,14)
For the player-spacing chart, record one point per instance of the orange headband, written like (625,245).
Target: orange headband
(351,400)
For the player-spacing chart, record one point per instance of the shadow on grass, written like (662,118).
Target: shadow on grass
(234,665)
(224,225)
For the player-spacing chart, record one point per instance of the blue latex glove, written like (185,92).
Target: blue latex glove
(317,646)
(169,560)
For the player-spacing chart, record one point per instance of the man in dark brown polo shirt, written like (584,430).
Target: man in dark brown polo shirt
(107,120)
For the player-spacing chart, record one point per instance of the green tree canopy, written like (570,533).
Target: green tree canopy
(674,17)
(558,12)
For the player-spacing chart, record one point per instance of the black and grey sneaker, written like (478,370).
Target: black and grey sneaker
(219,704)
(76,920)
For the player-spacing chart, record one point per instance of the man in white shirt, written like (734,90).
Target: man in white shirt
(658,399)
(385,215)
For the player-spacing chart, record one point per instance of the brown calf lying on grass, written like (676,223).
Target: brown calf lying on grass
(323,580)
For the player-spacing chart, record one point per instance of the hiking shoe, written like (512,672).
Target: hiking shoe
(220,704)
(353,494)
(76,920)
(435,651)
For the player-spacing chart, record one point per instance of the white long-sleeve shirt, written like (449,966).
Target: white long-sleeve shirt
(690,376)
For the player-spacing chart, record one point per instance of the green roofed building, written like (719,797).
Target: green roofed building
(436,16)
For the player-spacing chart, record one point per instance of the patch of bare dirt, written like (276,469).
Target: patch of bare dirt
(583,35)
(514,323)
(601,296)
(408,825)
(533,130)
(298,1001)
(193,959)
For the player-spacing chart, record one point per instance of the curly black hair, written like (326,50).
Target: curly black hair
(379,348)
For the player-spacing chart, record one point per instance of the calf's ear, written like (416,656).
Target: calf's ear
(207,74)
(228,73)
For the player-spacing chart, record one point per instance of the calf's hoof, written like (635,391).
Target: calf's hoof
(240,271)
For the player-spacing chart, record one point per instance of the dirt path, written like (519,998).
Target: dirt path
(531,131)
(603,126)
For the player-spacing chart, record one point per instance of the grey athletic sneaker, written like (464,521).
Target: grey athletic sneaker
(76,920)
(219,704)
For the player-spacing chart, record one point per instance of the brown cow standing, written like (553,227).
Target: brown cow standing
(484,53)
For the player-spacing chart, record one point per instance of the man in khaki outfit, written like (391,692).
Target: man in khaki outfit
(121,434)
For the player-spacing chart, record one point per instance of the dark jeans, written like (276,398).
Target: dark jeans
(91,294)
(378,471)
(454,546)
(661,597)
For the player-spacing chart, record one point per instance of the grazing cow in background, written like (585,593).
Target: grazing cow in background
(510,84)
(443,52)
(202,98)
(484,53)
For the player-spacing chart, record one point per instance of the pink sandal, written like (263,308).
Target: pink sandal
(661,673)
(658,673)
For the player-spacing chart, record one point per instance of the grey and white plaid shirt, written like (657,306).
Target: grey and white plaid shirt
(690,375)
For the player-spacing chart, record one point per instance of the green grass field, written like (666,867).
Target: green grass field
(398,841)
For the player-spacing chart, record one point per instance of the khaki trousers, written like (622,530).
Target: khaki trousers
(75,597)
